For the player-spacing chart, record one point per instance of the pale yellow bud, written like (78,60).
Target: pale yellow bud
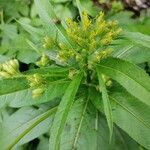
(15,64)
(9,69)
(109,83)
(48,42)
(37,92)
(72,73)
(78,57)
(86,20)
(44,61)
(4,74)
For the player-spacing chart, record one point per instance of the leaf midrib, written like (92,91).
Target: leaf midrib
(80,125)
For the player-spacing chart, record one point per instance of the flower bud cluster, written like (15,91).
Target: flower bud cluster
(37,83)
(44,61)
(9,69)
(90,39)
(48,42)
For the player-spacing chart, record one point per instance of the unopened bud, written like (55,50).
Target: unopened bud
(37,92)
(4,74)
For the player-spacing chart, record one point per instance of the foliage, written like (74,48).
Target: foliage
(84,86)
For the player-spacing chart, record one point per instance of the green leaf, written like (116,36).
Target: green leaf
(79,8)
(62,112)
(12,85)
(20,124)
(9,86)
(131,77)
(106,103)
(81,130)
(138,38)
(35,32)
(132,52)
(129,114)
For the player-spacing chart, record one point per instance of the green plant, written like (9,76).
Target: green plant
(83,93)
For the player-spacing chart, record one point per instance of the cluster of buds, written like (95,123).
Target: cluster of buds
(48,42)
(44,61)
(91,40)
(102,54)
(37,83)
(9,69)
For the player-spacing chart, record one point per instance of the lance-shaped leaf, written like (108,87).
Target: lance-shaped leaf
(24,126)
(129,114)
(131,77)
(62,112)
(81,129)
(106,102)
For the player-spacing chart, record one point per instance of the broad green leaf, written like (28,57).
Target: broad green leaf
(106,103)
(87,129)
(138,38)
(132,116)
(131,77)
(20,124)
(129,114)
(62,112)
(81,130)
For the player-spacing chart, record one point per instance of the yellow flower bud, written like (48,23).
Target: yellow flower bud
(15,64)
(86,20)
(9,69)
(44,61)
(4,74)
(72,73)
(48,42)
(109,83)
(100,18)
(37,92)
(78,57)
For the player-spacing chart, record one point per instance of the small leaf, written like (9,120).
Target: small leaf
(131,77)
(106,103)
(62,112)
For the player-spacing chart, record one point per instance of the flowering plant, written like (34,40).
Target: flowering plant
(78,93)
